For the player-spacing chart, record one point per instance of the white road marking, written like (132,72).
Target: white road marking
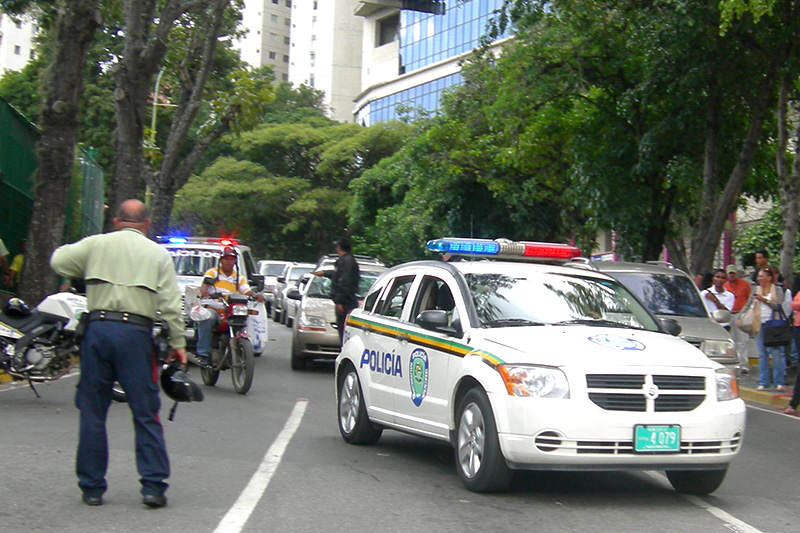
(236,517)
(731,522)
(771,411)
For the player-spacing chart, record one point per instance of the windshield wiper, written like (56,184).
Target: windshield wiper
(595,322)
(511,322)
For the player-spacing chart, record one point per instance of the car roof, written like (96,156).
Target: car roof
(622,266)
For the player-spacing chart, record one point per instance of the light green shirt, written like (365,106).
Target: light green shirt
(125,271)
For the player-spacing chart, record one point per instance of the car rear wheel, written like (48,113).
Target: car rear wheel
(354,424)
(479,461)
(696,481)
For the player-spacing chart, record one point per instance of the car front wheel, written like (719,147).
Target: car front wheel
(696,481)
(479,461)
(354,424)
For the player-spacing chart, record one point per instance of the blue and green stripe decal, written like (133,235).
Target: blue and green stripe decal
(436,343)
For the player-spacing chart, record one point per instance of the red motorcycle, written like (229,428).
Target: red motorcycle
(230,346)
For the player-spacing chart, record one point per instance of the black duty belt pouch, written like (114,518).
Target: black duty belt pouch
(80,329)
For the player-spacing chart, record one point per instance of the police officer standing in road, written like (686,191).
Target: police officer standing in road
(344,283)
(128,279)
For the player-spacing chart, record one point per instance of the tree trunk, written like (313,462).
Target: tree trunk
(146,38)
(176,170)
(708,228)
(788,185)
(74,31)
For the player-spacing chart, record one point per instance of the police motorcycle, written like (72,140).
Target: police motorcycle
(40,344)
(230,346)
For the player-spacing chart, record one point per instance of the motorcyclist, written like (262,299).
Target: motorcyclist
(221,280)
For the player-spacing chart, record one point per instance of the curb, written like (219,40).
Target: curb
(775,400)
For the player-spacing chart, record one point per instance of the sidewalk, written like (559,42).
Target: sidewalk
(770,397)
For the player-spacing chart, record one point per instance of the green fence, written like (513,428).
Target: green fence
(17,165)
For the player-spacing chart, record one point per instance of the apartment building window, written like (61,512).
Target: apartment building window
(288,3)
(286,40)
(272,55)
(285,77)
(285,58)
(287,21)
(315,7)
(32,54)
(273,18)
(312,58)
(311,79)
(388,30)
(273,36)
(17,50)
(275,2)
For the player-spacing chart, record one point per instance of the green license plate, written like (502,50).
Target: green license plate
(656,439)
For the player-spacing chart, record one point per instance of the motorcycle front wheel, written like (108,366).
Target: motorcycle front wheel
(243,364)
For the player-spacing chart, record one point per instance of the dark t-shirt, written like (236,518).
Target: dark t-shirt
(345,281)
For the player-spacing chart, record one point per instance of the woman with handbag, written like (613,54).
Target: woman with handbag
(767,300)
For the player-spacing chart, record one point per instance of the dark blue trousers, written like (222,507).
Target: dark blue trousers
(124,352)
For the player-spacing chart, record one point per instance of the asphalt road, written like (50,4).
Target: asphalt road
(273,460)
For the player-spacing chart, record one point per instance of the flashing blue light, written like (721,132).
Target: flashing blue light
(464,246)
(178,240)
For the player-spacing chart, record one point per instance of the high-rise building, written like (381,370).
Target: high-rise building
(411,52)
(326,52)
(267,25)
(16,41)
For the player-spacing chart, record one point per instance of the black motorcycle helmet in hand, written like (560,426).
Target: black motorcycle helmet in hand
(178,385)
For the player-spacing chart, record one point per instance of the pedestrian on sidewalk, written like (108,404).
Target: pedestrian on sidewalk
(792,409)
(717,297)
(768,297)
(741,293)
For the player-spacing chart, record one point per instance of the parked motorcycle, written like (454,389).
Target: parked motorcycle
(230,346)
(39,344)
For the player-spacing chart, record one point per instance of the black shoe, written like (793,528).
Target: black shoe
(202,360)
(154,500)
(92,500)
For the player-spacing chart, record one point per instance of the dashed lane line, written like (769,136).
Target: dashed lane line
(236,517)
(731,522)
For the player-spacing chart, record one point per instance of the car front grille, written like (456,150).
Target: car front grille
(552,442)
(615,392)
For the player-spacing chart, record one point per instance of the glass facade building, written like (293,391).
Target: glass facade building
(426,39)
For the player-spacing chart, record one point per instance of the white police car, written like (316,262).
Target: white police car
(533,366)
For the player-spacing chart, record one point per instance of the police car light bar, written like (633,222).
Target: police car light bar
(503,248)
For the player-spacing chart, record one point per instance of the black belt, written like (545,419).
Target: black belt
(121,316)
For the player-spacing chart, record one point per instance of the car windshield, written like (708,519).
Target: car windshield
(546,298)
(297,272)
(664,294)
(272,269)
(321,286)
(193,262)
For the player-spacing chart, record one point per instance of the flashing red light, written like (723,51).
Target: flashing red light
(224,241)
(550,250)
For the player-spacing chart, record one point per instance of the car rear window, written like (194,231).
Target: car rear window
(664,294)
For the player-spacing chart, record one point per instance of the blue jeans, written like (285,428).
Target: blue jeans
(123,352)
(778,362)
(204,329)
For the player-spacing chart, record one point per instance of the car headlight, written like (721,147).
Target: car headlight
(727,386)
(239,310)
(535,381)
(305,321)
(718,348)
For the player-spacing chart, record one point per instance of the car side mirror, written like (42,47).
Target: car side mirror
(437,320)
(294,294)
(722,316)
(670,325)
(257,280)
(281,279)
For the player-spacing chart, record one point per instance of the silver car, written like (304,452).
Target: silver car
(314,332)
(293,273)
(271,270)
(670,293)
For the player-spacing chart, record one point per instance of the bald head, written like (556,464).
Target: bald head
(132,214)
